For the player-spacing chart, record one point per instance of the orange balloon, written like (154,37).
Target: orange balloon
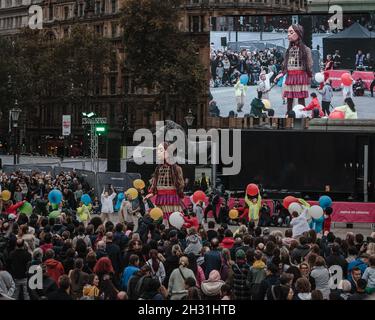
(6,195)
(156,214)
(233,214)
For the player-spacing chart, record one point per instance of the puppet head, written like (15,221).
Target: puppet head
(295,33)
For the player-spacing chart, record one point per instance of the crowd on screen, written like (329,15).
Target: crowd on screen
(227,66)
(208,258)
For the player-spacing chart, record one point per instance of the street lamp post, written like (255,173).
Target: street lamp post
(189,119)
(14,115)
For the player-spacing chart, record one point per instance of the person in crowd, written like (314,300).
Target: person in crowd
(327,96)
(156,266)
(91,289)
(313,105)
(369,275)
(213,258)
(211,288)
(7,284)
(18,261)
(107,204)
(177,279)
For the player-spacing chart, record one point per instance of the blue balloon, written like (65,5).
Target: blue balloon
(325,202)
(55,196)
(120,197)
(244,79)
(86,200)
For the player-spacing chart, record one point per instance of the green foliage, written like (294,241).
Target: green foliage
(51,72)
(157,53)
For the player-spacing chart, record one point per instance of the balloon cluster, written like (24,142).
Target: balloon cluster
(316,212)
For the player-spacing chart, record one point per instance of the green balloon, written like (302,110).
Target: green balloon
(26,208)
(54,214)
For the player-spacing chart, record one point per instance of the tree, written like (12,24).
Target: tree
(159,55)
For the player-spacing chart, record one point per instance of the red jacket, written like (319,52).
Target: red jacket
(46,247)
(13,208)
(227,243)
(314,104)
(54,269)
(191,222)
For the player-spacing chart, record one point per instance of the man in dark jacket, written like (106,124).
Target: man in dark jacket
(301,251)
(18,263)
(271,279)
(114,253)
(240,272)
(212,258)
(64,289)
(361,291)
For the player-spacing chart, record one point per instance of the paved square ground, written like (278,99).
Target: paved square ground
(225,98)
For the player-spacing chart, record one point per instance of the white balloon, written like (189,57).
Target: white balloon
(319,77)
(316,212)
(176,220)
(298,111)
(295,207)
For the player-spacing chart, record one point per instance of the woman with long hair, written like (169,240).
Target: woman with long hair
(348,109)
(297,67)
(198,271)
(157,267)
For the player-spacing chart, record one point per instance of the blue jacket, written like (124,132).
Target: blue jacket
(128,272)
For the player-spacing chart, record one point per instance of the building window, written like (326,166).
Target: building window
(66,13)
(80,10)
(18,2)
(114,6)
(50,12)
(114,30)
(97,7)
(99,29)
(8,3)
(113,85)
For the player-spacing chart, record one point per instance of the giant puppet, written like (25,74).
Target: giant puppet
(167,184)
(297,67)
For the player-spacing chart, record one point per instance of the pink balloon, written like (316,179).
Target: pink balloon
(337,115)
(346,79)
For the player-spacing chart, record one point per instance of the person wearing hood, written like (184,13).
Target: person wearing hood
(54,267)
(240,276)
(228,241)
(193,242)
(211,288)
(303,289)
(257,274)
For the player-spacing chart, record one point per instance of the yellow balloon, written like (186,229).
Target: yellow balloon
(139,184)
(233,214)
(156,214)
(267,103)
(133,193)
(6,195)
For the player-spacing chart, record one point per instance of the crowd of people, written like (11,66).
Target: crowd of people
(227,66)
(208,259)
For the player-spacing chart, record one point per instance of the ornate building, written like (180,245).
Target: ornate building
(118,99)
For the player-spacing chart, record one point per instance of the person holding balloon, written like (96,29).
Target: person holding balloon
(348,110)
(253,201)
(240,91)
(139,185)
(107,204)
